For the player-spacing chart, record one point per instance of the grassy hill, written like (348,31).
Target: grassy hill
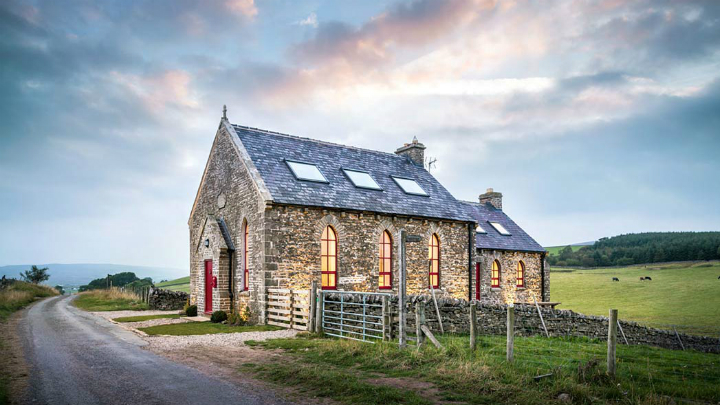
(554,250)
(683,294)
(180,284)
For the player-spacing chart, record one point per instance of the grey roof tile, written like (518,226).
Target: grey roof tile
(518,239)
(268,150)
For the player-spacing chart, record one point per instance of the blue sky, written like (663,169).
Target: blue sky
(593,118)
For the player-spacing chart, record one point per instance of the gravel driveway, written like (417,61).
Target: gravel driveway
(78,358)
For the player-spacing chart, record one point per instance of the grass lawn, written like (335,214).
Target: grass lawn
(109,300)
(685,294)
(20,294)
(180,284)
(361,373)
(203,328)
(146,318)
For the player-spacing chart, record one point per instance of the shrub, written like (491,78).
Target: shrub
(218,316)
(191,310)
(240,318)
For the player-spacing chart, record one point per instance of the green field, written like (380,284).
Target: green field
(554,250)
(180,284)
(203,328)
(683,294)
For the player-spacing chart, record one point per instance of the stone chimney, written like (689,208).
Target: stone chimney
(415,151)
(493,197)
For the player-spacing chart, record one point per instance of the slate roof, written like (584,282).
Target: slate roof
(518,240)
(268,151)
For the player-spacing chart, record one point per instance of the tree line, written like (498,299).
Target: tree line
(650,247)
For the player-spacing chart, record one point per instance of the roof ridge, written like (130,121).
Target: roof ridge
(318,141)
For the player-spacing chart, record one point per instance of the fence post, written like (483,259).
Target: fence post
(292,309)
(385,319)
(319,322)
(473,326)
(510,332)
(313,306)
(612,341)
(419,322)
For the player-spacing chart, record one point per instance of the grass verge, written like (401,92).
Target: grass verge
(646,375)
(109,300)
(145,318)
(20,294)
(203,328)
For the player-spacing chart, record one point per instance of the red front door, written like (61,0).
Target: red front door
(208,285)
(477,281)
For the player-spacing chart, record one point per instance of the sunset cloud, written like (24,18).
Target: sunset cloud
(109,108)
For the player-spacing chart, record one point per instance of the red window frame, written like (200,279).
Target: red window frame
(386,262)
(520,274)
(434,261)
(495,275)
(246,269)
(328,259)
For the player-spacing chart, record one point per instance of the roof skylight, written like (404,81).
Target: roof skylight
(409,186)
(362,179)
(306,171)
(501,229)
(479,229)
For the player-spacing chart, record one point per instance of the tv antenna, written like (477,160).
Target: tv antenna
(430,163)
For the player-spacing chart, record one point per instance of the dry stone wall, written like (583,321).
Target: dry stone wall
(167,300)
(492,318)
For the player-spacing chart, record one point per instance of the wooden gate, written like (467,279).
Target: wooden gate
(288,308)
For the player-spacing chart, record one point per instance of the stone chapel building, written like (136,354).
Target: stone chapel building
(276,210)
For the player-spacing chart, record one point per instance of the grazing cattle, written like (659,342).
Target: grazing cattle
(617,279)
(648,278)
(642,278)
(718,277)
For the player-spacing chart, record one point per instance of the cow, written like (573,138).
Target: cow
(617,279)
(648,278)
(718,277)
(642,278)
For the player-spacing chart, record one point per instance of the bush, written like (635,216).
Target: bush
(218,316)
(241,318)
(191,310)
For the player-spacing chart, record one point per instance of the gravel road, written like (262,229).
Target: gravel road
(77,358)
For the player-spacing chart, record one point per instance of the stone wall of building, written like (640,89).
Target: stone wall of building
(228,192)
(166,300)
(508,291)
(455,315)
(293,250)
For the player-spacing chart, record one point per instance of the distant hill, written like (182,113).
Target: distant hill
(83,273)
(180,284)
(650,247)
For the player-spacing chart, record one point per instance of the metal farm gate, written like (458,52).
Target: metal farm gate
(345,316)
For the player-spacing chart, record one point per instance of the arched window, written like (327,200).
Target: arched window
(495,275)
(434,259)
(328,259)
(246,268)
(385,281)
(521,274)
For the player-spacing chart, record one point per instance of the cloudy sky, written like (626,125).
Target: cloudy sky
(593,118)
